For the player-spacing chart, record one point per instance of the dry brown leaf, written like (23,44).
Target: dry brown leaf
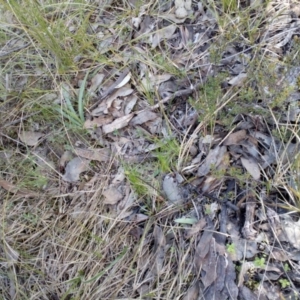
(94,154)
(124,81)
(16,190)
(130,103)
(193,292)
(291,231)
(251,166)
(151,81)
(117,124)
(164,33)
(30,138)
(112,195)
(143,117)
(203,248)
(235,138)
(95,82)
(74,168)
(171,189)
(97,121)
(214,158)
(196,228)
(107,103)
(67,156)
(137,218)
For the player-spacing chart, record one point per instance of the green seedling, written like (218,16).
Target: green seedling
(231,248)
(284,283)
(286,267)
(260,262)
(67,108)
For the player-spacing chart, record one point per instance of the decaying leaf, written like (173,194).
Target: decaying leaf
(124,81)
(251,166)
(235,138)
(291,230)
(98,121)
(164,33)
(30,138)
(193,292)
(96,81)
(74,168)
(112,195)
(172,190)
(16,190)
(130,103)
(117,124)
(213,159)
(93,154)
(196,228)
(143,117)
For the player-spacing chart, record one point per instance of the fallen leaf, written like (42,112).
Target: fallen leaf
(193,292)
(124,81)
(143,117)
(117,124)
(291,230)
(16,190)
(94,154)
(196,228)
(74,168)
(150,81)
(112,196)
(171,189)
(251,166)
(214,158)
(95,82)
(235,138)
(97,121)
(137,218)
(30,138)
(130,103)
(164,33)
(67,156)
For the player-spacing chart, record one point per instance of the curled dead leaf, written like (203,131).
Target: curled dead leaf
(251,166)
(112,195)
(97,121)
(74,168)
(30,138)
(117,124)
(93,154)
(235,138)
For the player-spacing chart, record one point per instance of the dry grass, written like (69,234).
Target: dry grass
(60,241)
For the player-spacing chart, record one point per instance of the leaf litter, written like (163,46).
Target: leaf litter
(223,228)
